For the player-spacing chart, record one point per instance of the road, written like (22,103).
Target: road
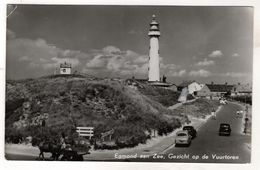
(207,147)
(215,148)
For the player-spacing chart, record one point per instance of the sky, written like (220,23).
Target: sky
(197,43)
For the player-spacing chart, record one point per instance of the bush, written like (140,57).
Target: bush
(13,136)
(109,146)
(163,128)
(35,141)
(129,135)
(11,106)
(166,97)
(243,99)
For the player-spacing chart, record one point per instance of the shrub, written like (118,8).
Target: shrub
(12,105)
(35,141)
(13,136)
(166,97)
(129,135)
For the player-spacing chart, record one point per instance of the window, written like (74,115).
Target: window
(182,134)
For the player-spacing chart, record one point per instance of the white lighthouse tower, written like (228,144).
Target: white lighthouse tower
(154,64)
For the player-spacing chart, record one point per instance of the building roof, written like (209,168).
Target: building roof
(65,65)
(204,87)
(186,83)
(242,88)
(219,87)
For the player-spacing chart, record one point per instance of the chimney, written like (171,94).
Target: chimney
(238,83)
(212,82)
(225,83)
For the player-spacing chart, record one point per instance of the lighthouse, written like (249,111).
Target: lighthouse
(154,63)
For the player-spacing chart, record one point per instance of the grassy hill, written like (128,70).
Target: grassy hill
(65,102)
(199,108)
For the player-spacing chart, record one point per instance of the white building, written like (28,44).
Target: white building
(192,87)
(65,68)
(241,90)
(154,64)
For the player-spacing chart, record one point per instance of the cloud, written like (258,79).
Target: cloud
(216,54)
(235,55)
(97,62)
(141,59)
(111,50)
(112,61)
(133,32)
(37,57)
(205,62)
(172,70)
(40,54)
(68,54)
(41,58)
(200,73)
(236,75)
(168,66)
(116,63)
(177,73)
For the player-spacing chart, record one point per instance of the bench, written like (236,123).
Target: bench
(85,131)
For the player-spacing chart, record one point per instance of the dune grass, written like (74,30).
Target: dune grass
(199,108)
(78,101)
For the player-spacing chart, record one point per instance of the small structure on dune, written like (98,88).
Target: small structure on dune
(65,68)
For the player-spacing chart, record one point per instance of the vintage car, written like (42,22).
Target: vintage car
(183,138)
(191,131)
(224,129)
(239,113)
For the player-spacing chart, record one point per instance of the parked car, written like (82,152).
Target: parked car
(183,138)
(191,131)
(224,129)
(239,113)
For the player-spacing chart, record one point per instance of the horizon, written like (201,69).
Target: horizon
(177,84)
(198,43)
